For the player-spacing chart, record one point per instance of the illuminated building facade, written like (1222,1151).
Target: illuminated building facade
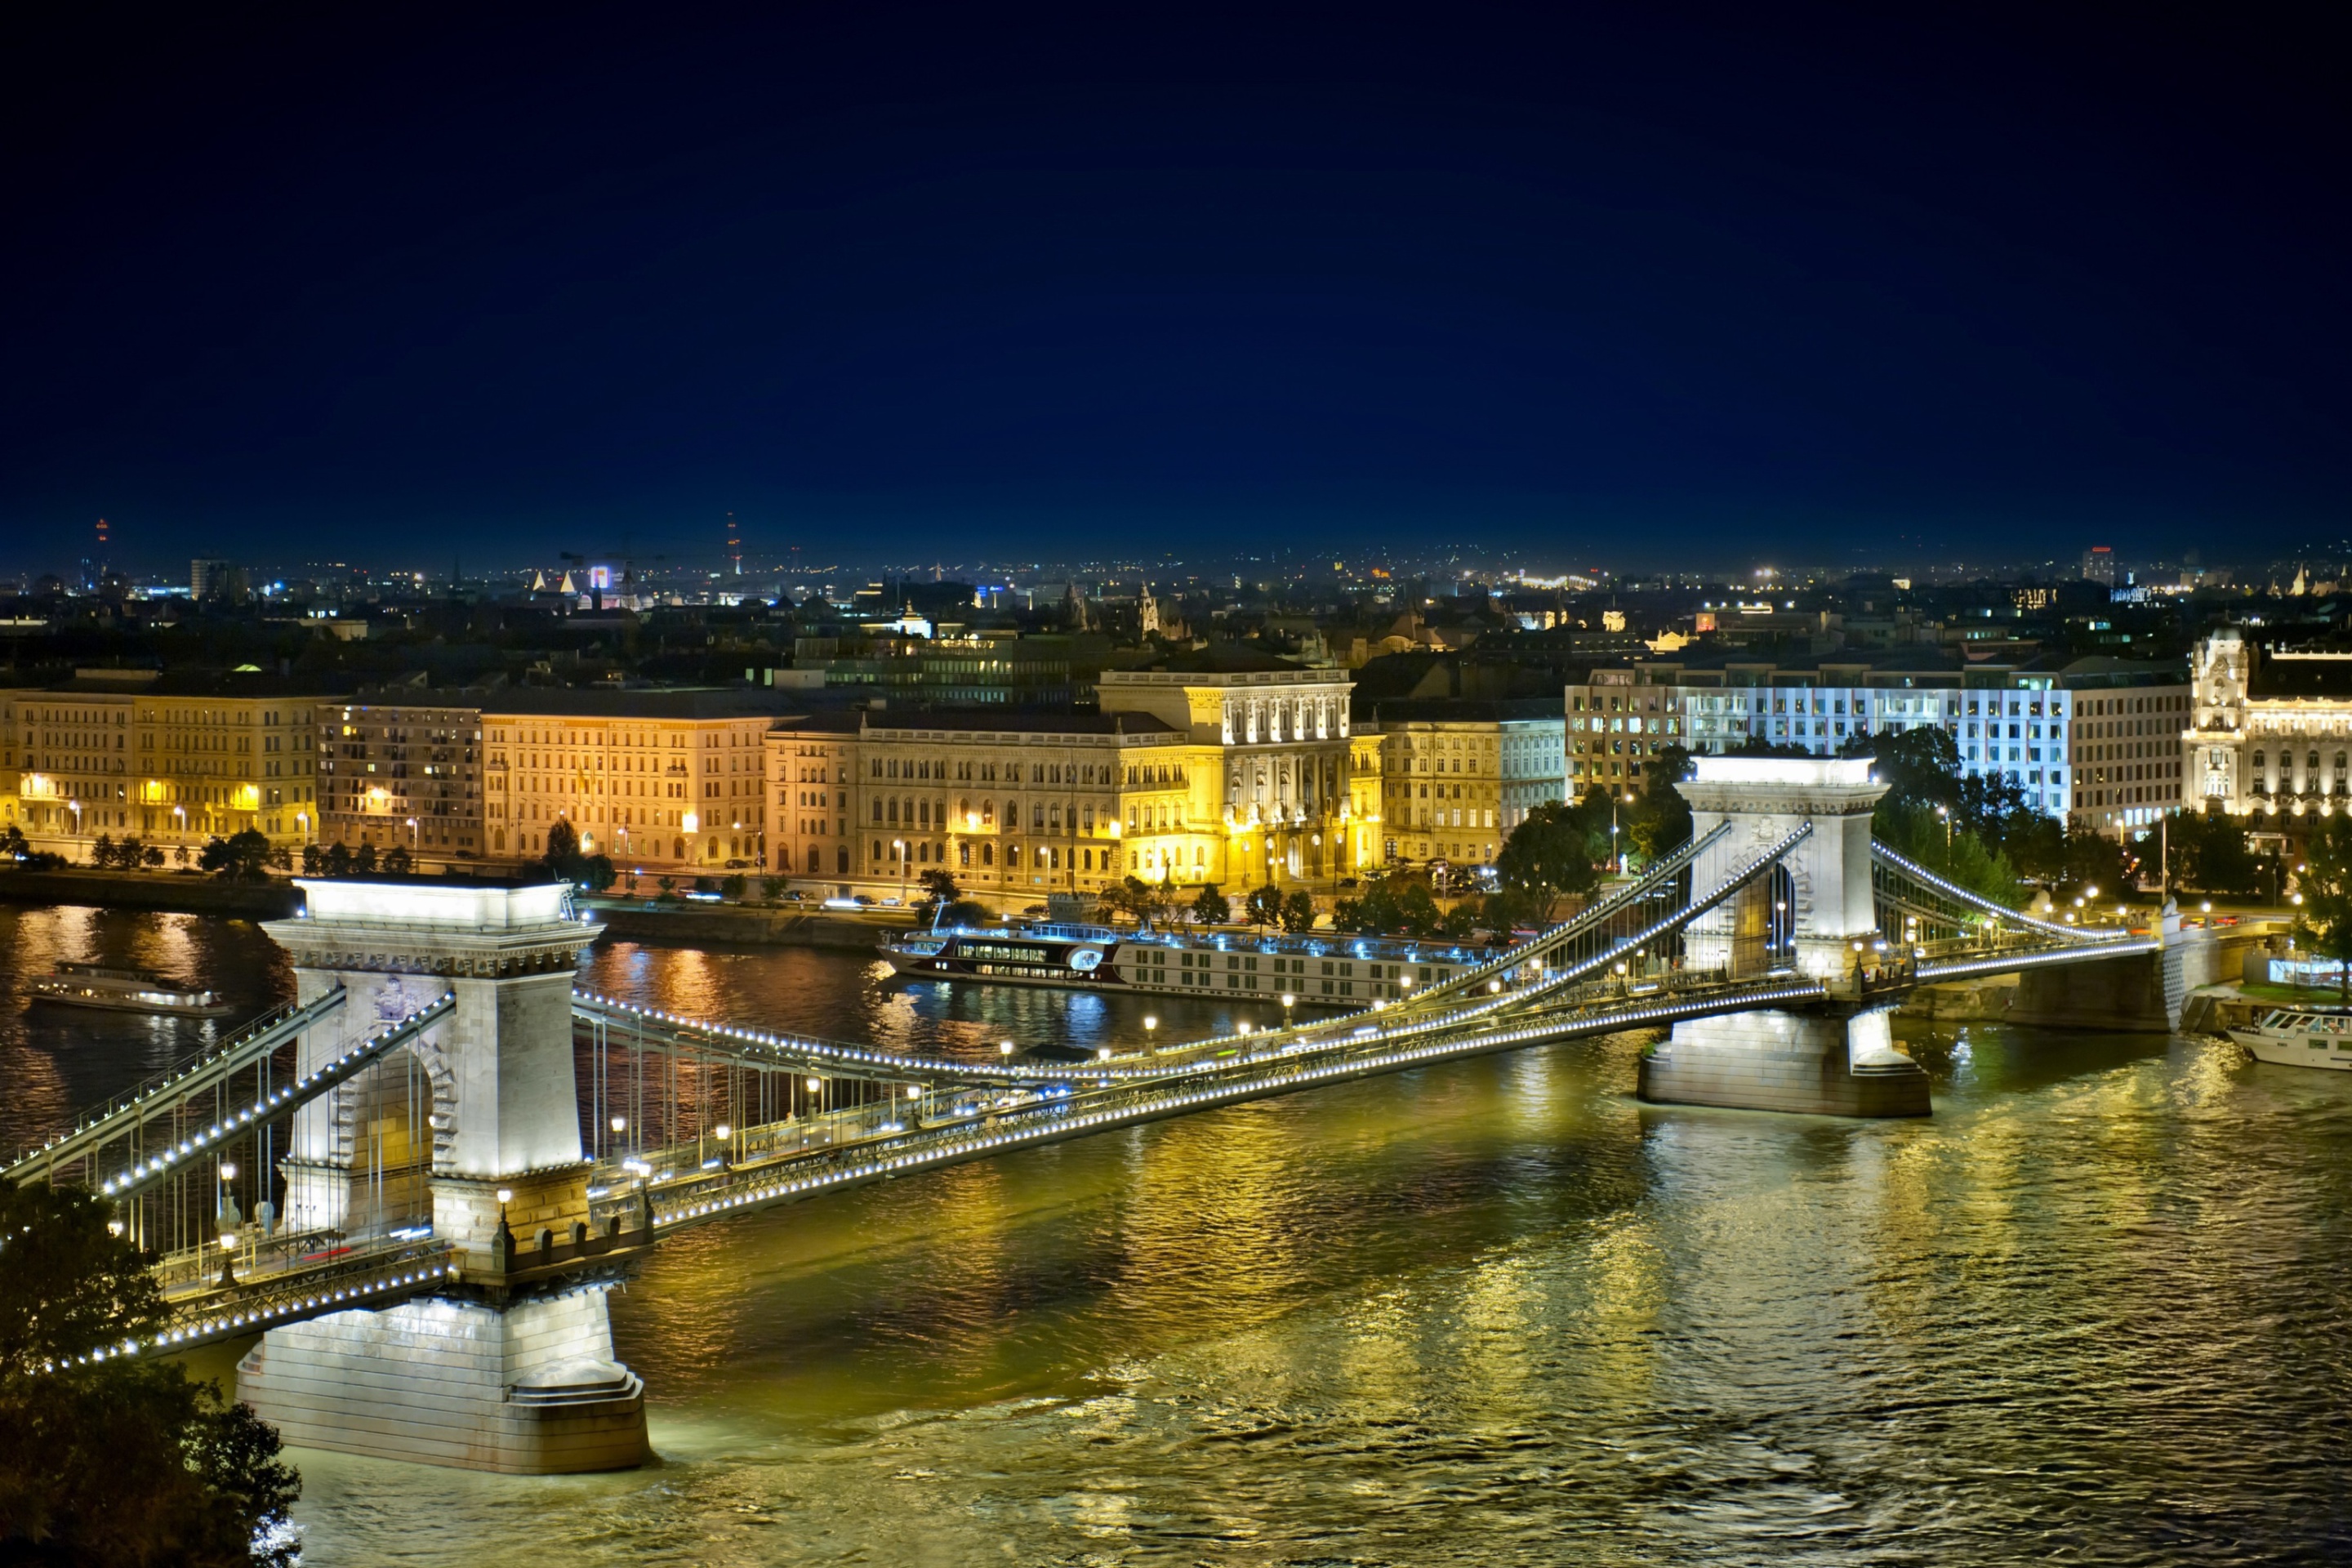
(172,761)
(661,781)
(2271,732)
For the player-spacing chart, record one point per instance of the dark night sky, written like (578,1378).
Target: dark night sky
(1646,285)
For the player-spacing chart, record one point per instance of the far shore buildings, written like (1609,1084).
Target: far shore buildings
(1220,766)
(172,760)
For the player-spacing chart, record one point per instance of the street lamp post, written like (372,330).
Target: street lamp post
(899,847)
(225,1222)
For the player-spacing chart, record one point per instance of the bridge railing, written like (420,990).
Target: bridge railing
(799,1053)
(2003,915)
(1548,982)
(1659,875)
(275,1102)
(1081,1109)
(160,1096)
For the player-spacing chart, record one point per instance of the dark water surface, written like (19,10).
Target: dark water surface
(1497,1313)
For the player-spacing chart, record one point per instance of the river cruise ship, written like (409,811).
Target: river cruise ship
(1318,971)
(124,990)
(2300,1037)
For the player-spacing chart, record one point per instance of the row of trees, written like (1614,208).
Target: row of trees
(342,861)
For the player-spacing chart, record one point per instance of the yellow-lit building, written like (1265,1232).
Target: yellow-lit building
(1021,804)
(172,761)
(1229,776)
(1441,782)
(659,781)
(1280,796)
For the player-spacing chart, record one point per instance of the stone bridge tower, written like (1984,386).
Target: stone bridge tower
(511,1370)
(1836,1059)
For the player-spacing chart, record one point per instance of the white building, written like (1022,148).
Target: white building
(2080,740)
(2271,731)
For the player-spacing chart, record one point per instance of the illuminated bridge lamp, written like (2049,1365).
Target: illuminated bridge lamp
(1004,1047)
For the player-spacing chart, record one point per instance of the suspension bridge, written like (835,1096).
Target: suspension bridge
(449,1152)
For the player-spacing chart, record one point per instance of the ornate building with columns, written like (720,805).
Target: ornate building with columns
(2272,729)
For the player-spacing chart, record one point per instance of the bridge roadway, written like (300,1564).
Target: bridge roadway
(1089,1101)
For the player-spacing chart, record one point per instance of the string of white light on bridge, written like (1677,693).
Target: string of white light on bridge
(301,1089)
(1977,900)
(1630,1018)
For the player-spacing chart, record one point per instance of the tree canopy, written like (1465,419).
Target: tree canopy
(563,859)
(2322,921)
(124,1461)
(1553,853)
(245,856)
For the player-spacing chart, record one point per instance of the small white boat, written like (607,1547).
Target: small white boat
(2300,1037)
(124,990)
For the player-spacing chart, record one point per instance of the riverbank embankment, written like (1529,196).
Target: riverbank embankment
(164,894)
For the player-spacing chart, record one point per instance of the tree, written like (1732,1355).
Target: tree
(732,889)
(397,861)
(562,843)
(13,846)
(1265,906)
(364,860)
(1210,908)
(1395,905)
(243,857)
(771,888)
(101,852)
(314,860)
(2210,853)
(939,890)
(151,858)
(124,1460)
(2322,921)
(1550,855)
(1660,818)
(1298,913)
(338,860)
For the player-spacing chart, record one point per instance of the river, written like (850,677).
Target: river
(2094,1311)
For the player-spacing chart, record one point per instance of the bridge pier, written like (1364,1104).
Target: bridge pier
(1814,918)
(1821,1064)
(527,1387)
(509,1369)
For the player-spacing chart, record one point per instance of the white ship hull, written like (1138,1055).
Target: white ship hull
(2303,1050)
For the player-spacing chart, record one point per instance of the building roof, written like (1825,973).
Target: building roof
(594,702)
(1461,710)
(246,683)
(1218,658)
(2287,677)
(1013,721)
